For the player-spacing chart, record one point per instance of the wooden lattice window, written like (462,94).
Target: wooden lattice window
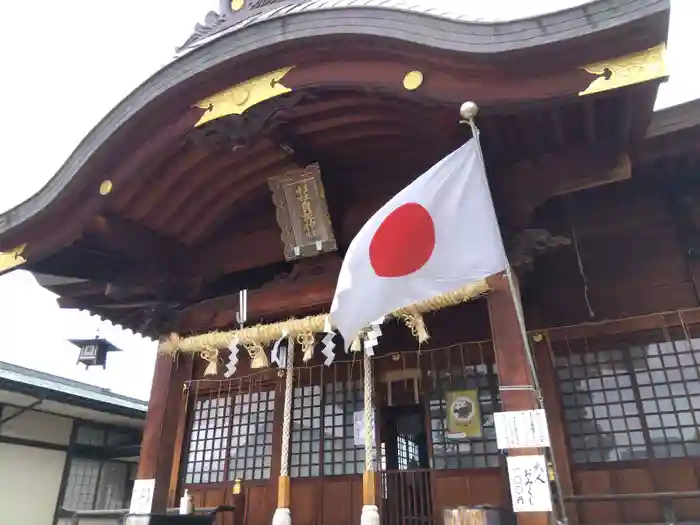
(454,452)
(95,483)
(340,453)
(631,400)
(81,488)
(323,420)
(206,460)
(231,438)
(305,454)
(251,435)
(407,452)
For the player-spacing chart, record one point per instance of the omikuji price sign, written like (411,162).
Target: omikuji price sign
(529,484)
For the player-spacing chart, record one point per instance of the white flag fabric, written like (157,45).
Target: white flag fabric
(438,234)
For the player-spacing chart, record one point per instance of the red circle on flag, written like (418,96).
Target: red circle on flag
(404,241)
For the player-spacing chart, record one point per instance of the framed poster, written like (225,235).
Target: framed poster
(463,414)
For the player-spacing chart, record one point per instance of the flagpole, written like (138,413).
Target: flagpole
(468,111)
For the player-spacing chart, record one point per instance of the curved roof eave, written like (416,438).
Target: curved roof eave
(529,27)
(428,28)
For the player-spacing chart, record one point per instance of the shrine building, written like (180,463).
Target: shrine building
(211,210)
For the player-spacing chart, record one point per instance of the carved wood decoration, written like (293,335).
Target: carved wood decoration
(302,213)
(526,245)
(236,131)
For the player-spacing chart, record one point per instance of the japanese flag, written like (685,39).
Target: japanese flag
(435,236)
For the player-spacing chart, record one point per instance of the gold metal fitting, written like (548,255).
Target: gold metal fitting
(106,187)
(237,486)
(412,80)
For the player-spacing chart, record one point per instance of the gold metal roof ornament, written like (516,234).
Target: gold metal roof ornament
(237,99)
(12,258)
(627,70)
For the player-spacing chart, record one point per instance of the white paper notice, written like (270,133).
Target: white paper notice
(521,429)
(529,484)
(142,496)
(359,428)
(141,501)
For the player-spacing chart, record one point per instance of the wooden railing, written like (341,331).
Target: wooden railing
(406,497)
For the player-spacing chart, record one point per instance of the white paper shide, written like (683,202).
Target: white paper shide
(529,483)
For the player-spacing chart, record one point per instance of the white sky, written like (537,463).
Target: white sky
(66,64)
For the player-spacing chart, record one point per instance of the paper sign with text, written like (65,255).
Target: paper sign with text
(521,429)
(529,484)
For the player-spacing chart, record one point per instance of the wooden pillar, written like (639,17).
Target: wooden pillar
(160,435)
(549,386)
(516,382)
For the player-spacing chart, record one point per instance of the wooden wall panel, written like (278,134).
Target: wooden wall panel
(342,500)
(357,499)
(632,257)
(213,497)
(635,481)
(259,505)
(595,482)
(644,477)
(474,487)
(679,475)
(306,500)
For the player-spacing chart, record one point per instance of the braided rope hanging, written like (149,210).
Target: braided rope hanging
(369,414)
(287,416)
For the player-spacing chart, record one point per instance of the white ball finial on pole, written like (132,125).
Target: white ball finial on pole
(468,110)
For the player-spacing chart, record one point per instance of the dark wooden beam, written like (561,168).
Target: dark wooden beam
(490,88)
(138,242)
(664,146)
(308,287)
(289,142)
(520,189)
(589,119)
(235,254)
(68,218)
(524,186)
(555,118)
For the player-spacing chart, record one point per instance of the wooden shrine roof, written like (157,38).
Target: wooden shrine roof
(421,21)
(189,219)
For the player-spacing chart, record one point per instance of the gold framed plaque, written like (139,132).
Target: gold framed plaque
(302,213)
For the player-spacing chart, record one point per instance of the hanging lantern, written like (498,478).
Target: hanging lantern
(93,352)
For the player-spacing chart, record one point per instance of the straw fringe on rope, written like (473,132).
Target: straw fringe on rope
(267,333)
